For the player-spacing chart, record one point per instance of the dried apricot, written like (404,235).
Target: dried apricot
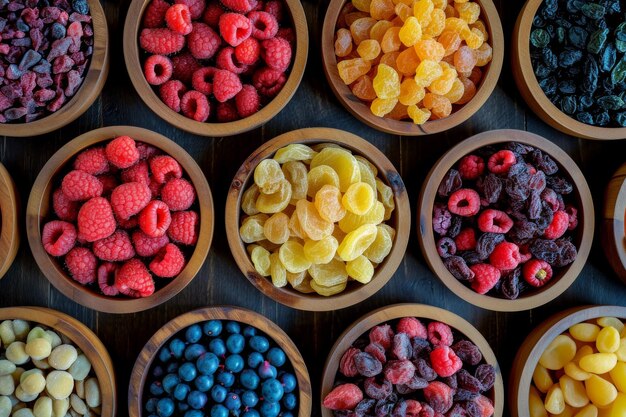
(356,242)
(381,106)
(387,82)
(291,254)
(351,69)
(321,251)
(407,62)
(311,222)
(419,116)
(342,162)
(411,31)
(410,92)
(276,228)
(328,203)
(360,29)
(343,43)
(429,49)
(382,9)
(391,40)
(469,91)
(275,202)
(268,176)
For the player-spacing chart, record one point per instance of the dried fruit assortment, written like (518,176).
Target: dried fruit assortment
(315,218)
(504,219)
(124,214)
(413,367)
(44,56)
(413,60)
(582,372)
(217,60)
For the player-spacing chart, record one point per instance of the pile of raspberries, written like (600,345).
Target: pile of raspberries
(123,217)
(216,60)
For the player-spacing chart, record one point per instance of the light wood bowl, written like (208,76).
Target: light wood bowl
(87,93)
(83,338)
(9,223)
(150,351)
(397,311)
(361,110)
(400,220)
(536,342)
(582,239)
(132,28)
(529,88)
(39,210)
(613,223)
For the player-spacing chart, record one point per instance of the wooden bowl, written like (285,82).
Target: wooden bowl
(528,86)
(9,223)
(397,311)
(536,342)
(583,239)
(87,93)
(150,351)
(132,28)
(83,338)
(400,220)
(361,110)
(39,211)
(613,223)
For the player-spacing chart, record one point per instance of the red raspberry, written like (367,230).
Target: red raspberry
(505,256)
(466,239)
(147,246)
(471,167)
(128,224)
(184,227)
(346,364)
(235,28)
(343,397)
(178,18)
(412,327)
(268,82)
(203,42)
(122,152)
(248,101)
(226,85)
(524,254)
(164,168)
(277,54)
(572,214)
(184,67)
(439,334)
(154,15)
(134,275)
(212,14)
(178,194)
(288,35)
(248,51)
(114,248)
(275,8)
(537,272)
(155,188)
(146,151)
(80,186)
(464,202)
(382,335)
(106,279)
(485,406)
(171,92)
(227,112)
(240,6)
(64,208)
(95,220)
(485,277)
(399,372)
(501,161)
(225,61)
(161,41)
(92,161)
(169,262)
(202,80)
(155,218)
(439,396)
(264,25)
(558,227)
(196,7)
(444,361)
(129,292)
(109,182)
(195,105)
(58,237)
(137,173)
(157,69)
(494,221)
(129,199)
(81,264)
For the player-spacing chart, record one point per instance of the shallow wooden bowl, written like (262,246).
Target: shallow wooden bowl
(150,351)
(9,223)
(361,110)
(614,223)
(39,211)
(397,311)
(87,93)
(528,86)
(83,338)
(132,28)
(400,220)
(583,238)
(536,342)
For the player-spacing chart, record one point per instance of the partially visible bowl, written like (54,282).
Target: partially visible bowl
(614,222)
(9,225)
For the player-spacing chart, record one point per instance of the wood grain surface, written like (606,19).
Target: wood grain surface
(613,229)
(220,282)
(9,221)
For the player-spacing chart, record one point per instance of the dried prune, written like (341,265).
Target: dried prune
(366,406)
(468,382)
(455,227)
(367,365)
(539,38)
(377,391)
(462,394)
(566,253)
(450,183)
(560,185)
(458,268)
(419,347)
(486,374)
(546,250)
(510,287)
(400,409)
(567,87)
(569,57)
(611,102)
(568,105)
(471,257)
(487,242)
(490,188)
(597,40)
(534,205)
(383,408)
(401,347)
(468,352)
(424,370)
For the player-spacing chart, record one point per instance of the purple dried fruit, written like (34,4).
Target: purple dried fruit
(450,183)
(458,268)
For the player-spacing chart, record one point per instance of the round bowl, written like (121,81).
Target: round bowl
(397,311)
(83,338)
(9,223)
(361,110)
(39,210)
(583,239)
(536,342)
(529,88)
(132,28)
(614,222)
(400,220)
(149,352)
(87,93)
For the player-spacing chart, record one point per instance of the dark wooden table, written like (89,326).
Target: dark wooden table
(220,281)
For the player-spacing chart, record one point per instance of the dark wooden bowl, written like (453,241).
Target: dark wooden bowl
(361,110)
(529,88)
(393,312)
(536,342)
(613,223)
(147,355)
(83,338)
(9,223)
(583,239)
(132,28)
(87,93)
(400,220)
(39,211)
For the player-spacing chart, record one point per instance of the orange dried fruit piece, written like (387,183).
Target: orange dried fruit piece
(329,274)
(387,82)
(440,4)
(321,251)
(354,16)
(439,106)
(474,39)
(381,246)
(294,152)
(328,291)
(356,242)
(383,106)
(399,112)
(277,271)
(403,11)
(476,76)
(443,84)
(328,203)
(407,62)
(359,198)
(342,162)
(483,55)
(419,116)
(276,228)
(450,40)
(450,11)
(296,173)
(429,49)
(268,176)
(278,201)
(378,30)
(291,254)
(320,176)
(385,196)
(410,92)
(312,223)
(391,40)
(411,31)
(362,5)
(457,25)
(351,69)
(368,49)
(360,269)
(345,10)
(437,23)
(352,221)
(469,91)
(248,200)
(382,9)
(480,25)
(251,229)
(343,43)
(360,29)
(456,92)
(427,72)
(464,59)
(469,11)
(390,59)
(422,10)
(363,88)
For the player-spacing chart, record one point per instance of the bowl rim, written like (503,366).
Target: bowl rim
(386,172)
(426,234)
(395,311)
(148,353)
(82,337)
(149,97)
(614,233)
(534,96)
(362,112)
(87,93)
(50,267)
(9,221)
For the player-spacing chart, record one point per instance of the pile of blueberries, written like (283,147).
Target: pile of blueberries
(219,369)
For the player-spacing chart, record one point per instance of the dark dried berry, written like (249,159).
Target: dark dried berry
(534,205)
(467,352)
(419,347)
(400,409)
(451,381)
(377,391)
(442,219)
(471,257)
(367,365)
(376,351)
(487,242)
(346,365)
(424,369)
(560,185)
(468,382)
(545,250)
(401,347)
(464,395)
(383,408)
(446,247)
(457,411)
(510,284)
(450,183)
(455,226)
(566,253)
(366,406)
(490,188)
(486,374)
(458,268)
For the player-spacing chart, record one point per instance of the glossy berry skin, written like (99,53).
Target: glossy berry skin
(169,382)
(165,407)
(165,355)
(289,382)
(204,383)
(226,379)
(194,413)
(181,391)
(251,413)
(219,410)
(232,402)
(208,363)
(255,359)
(218,393)
(212,328)
(266,370)
(276,357)
(182,407)
(196,399)
(193,352)
(151,405)
(193,333)
(289,401)
(269,409)
(233,327)
(259,344)
(187,371)
(234,363)
(272,390)
(249,399)
(235,343)
(218,347)
(249,379)
(156,388)
(172,367)
(249,331)
(177,347)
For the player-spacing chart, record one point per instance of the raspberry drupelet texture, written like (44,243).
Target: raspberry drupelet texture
(202,80)
(80,186)
(235,28)
(226,85)
(147,246)
(95,220)
(129,199)
(162,41)
(276,53)
(268,81)
(114,248)
(134,275)
(136,173)
(178,19)
(184,227)
(239,6)
(122,152)
(444,361)
(196,7)
(203,42)
(58,237)
(558,227)
(195,106)
(63,207)
(178,194)
(106,279)
(505,256)
(247,101)
(92,161)
(227,60)
(485,277)
(501,161)
(158,69)
(264,25)
(81,263)
(164,168)
(248,52)
(168,262)
(155,14)
(464,202)
(155,219)
(212,13)
(184,65)
(171,93)
(227,112)
(471,167)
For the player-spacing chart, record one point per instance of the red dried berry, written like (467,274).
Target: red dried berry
(376,351)
(58,237)
(226,85)
(155,218)
(248,52)
(114,248)
(501,161)
(185,227)
(275,8)
(129,199)
(106,279)
(439,396)
(439,334)
(161,41)
(95,220)
(485,277)
(164,168)
(399,372)
(134,275)
(382,334)
(485,406)
(154,15)
(343,397)
(466,239)
(471,167)
(195,106)
(444,361)
(346,364)
(169,262)
(122,152)
(212,14)
(401,347)
(81,264)
(464,202)
(80,186)
(264,25)
(178,18)
(227,112)
(537,272)
(247,101)
(184,66)
(157,69)
(203,42)
(276,53)
(412,327)
(234,28)
(179,194)
(92,161)
(226,60)
(367,365)
(239,6)
(137,173)
(558,227)
(196,7)
(171,93)
(494,221)
(413,408)
(147,246)
(63,207)
(572,214)
(202,80)
(268,81)
(377,391)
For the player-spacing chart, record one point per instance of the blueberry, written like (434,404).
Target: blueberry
(219,410)
(165,407)
(208,363)
(218,393)
(272,390)
(22,26)
(266,370)
(290,401)
(249,331)
(255,359)
(193,333)
(194,351)
(249,379)
(80,6)
(177,348)
(181,391)
(276,357)
(233,327)
(218,347)
(251,413)
(172,367)
(151,405)
(235,343)
(165,355)
(289,382)
(182,407)
(234,363)
(233,402)
(204,382)
(212,328)
(286,414)
(187,371)
(259,343)
(249,399)
(157,372)
(196,399)
(156,388)
(58,30)
(269,409)
(169,382)
(226,379)
(194,413)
